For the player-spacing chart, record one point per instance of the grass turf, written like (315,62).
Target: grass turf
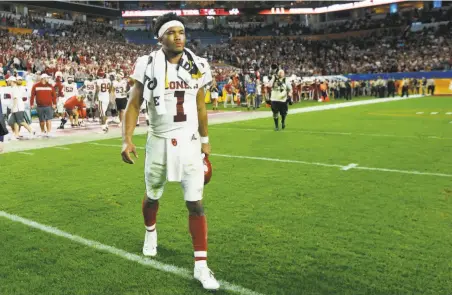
(276,228)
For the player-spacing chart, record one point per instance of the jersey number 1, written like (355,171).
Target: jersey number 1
(180,115)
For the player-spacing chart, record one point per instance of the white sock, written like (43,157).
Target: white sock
(150,228)
(200,263)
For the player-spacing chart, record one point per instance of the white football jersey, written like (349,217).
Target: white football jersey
(69,90)
(17,93)
(120,88)
(104,88)
(6,98)
(29,79)
(180,102)
(25,96)
(90,86)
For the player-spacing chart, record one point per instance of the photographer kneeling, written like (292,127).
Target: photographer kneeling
(280,96)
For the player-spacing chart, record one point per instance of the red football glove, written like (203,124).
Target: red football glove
(207,169)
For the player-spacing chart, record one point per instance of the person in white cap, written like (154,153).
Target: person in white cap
(26,92)
(44,95)
(18,107)
(177,136)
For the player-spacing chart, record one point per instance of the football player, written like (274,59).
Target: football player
(75,108)
(177,137)
(69,90)
(89,87)
(112,106)
(103,89)
(121,87)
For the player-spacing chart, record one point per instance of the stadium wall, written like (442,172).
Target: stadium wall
(443,79)
(403,75)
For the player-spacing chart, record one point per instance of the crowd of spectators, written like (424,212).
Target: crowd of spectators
(80,50)
(384,50)
(88,47)
(8,20)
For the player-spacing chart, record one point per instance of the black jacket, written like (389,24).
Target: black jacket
(3,130)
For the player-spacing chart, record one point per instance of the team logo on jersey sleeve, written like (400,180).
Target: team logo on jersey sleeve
(174,141)
(151,84)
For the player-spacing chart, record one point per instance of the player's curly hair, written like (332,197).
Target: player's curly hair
(167,17)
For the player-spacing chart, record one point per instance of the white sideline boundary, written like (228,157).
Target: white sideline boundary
(342,167)
(168,268)
(334,133)
(214,119)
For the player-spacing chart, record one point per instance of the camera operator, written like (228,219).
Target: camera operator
(280,96)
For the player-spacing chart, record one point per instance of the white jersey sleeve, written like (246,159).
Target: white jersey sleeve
(139,68)
(207,77)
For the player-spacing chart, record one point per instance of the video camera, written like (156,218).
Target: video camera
(274,69)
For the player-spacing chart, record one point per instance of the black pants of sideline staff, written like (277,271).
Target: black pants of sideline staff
(405,91)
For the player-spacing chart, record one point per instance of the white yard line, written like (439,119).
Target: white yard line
(25,153)
(342,167)
(404,171)
(61,148)
(169,268)
(349,166)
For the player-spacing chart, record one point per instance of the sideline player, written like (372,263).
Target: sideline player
(176,139)
(75,108)
(121,87)
(69,90)
(103,89)
(89,87)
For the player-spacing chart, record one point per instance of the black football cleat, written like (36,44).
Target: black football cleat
(283,126)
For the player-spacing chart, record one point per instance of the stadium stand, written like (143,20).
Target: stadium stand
(84,48)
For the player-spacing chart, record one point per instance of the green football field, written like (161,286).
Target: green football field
(355,200)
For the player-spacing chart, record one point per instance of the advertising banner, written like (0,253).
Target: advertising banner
(19,30)
(443,86)
(182,12)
